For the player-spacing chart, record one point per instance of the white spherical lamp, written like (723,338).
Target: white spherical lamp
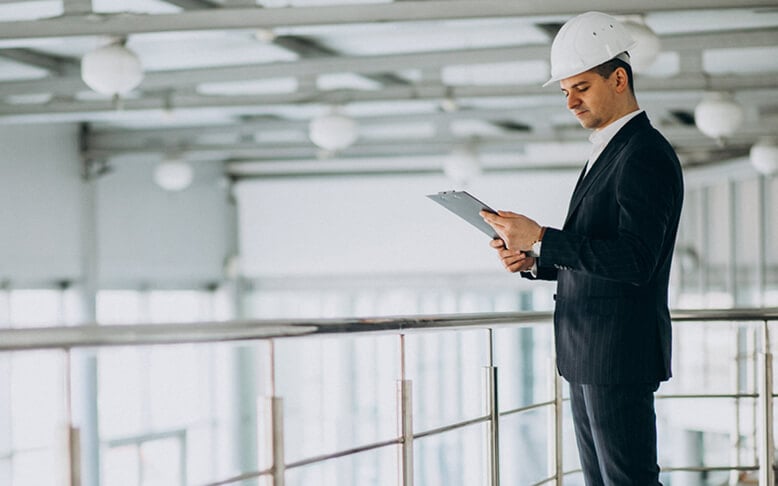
(111,70)
(173,174)
(647,45)
(718,115)
(333,131)
(764,156)
(462,164)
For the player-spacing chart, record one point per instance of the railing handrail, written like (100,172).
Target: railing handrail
(91,335)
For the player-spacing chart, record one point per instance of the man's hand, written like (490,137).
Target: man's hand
(513,260)
(517,231)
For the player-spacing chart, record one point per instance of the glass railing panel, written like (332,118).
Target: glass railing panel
(453,458)
(447,370)
(524,447)
(524,358)
(338,393)
(33,417)
(376,467)
(181,401)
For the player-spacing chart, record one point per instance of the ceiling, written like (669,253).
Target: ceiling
(237,82)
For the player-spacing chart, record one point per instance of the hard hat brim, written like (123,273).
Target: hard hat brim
(560,77)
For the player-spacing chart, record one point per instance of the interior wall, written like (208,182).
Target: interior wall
(383,225)
(146,236)
(39,204)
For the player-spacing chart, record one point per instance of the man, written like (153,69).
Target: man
(611,258)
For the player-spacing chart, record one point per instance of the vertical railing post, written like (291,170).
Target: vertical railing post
(736,374)
(72,432)
(274,434)
(274,426)
(558,415)
(405,422)
(766,444)
(493,410)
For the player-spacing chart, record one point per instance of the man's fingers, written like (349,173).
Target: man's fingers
(497,243)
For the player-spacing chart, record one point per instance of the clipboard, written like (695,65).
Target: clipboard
(467,207)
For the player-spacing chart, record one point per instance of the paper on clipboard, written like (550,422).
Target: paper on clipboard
(467,207)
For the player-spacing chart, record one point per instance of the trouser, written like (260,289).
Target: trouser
(615,428)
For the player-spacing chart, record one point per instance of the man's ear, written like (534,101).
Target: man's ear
(622,79)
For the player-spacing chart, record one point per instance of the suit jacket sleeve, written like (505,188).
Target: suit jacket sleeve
(646,191)
(543,273)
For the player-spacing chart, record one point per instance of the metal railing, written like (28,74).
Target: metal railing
(92,336)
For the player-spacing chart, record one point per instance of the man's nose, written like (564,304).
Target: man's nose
(572,101)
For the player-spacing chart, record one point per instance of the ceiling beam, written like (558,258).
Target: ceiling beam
(377,64)
(683,138)
(311,49)
(134,138)
(54,64)
(646,87)
(193,4)
(411,11)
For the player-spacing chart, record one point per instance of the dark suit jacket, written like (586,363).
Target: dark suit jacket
(612,262)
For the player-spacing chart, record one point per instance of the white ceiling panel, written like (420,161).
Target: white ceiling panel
(210,49)
(364,40)
(330,82)
(134,6)
(742,61)
(30,10)
(253,87)
(314,3)
(679,22)
(510,73)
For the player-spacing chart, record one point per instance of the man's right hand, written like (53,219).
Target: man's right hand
(513,260)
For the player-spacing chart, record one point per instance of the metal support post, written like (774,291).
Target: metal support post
(766,444)
(555,427)
(405,426)
(404,422)
(274,437)
(493,431)
(493,411)
(736,372)
(72,433)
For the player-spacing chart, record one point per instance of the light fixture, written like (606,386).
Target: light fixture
(112,70)
(764,156)
(718,115)
(647,44)
(173,174)
(333,131)
(462,164)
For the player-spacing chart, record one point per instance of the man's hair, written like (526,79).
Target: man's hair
(608,67)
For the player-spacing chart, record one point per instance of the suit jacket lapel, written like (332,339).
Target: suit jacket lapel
(604,162)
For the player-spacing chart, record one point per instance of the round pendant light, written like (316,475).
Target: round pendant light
(112,70)
(173,174)
(764,156)
(333,131)
(718,115)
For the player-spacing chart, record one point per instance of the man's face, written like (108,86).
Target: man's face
(591,99)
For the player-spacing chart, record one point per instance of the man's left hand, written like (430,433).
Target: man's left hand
(516,230)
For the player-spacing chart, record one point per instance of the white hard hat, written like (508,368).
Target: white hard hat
(586,41)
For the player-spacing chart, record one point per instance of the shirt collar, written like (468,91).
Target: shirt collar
(600,138)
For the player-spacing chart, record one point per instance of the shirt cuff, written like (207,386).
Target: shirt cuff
(536,249)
